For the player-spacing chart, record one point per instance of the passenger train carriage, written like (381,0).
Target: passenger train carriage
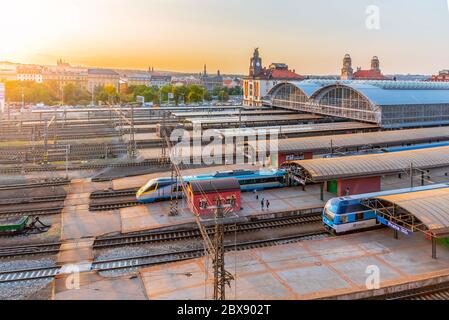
(250,180)
(348,214)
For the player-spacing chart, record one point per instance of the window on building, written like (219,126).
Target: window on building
(203,204)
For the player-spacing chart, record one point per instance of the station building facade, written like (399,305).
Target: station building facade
(261,80)
(390,104)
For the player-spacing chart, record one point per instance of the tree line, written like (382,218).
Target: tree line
(50,93)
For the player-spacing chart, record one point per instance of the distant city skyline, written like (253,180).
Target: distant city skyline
(183,35)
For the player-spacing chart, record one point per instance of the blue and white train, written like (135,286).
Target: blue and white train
(348,214)
(388,149)
(250,180)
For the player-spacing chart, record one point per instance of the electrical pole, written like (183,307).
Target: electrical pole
(132,136)
(216,247)
(67,149)
(174,198)
(220,278)
(45,142)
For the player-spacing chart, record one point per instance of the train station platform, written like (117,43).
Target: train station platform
(156,215)
(331,268)
(95,287)
(77,221)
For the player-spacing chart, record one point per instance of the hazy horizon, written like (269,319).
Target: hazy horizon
(183,35)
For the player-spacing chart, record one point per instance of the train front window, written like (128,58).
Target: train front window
(328,213)
(152,187)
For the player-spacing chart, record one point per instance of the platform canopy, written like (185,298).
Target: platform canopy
(368,139)
(326,169)
(426,211)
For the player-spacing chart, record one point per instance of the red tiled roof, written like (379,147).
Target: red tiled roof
(440,78)
(279,74)
(369,75)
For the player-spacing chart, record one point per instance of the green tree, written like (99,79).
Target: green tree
(75,94)
(107,94)
(180,93)
(236,91)
(194,97)
(216,91)
(223,95)
(165,90)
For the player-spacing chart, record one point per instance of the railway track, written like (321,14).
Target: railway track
(433,292)
(178,235)
(111,200)
(34,249)
(31,212)
(154,237)
(116,203)
(148,260)
(49,183)
(92,166)
(18,201)
(33,206)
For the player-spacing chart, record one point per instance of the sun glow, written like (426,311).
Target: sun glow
(26,27)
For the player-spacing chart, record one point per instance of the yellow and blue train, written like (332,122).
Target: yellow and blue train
(249,180)
(348,214)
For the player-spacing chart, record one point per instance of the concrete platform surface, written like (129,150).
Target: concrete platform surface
(91,286)
(76,251)
(77,221)
(156,215)
(307,270)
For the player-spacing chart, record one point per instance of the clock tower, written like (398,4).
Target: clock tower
(255,66)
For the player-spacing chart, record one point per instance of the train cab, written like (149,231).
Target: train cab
(157,189)
(346,214)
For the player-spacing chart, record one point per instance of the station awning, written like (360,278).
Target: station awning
(425,211)
(327,169)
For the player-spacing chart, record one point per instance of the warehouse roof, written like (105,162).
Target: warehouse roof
(431,207)
(380,138)
(373,164)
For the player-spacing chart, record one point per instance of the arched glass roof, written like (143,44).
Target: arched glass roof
(380,92)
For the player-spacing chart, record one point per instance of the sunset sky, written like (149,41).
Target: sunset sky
(181,35)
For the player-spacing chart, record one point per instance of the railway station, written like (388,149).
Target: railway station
(92,216)
(175,170)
